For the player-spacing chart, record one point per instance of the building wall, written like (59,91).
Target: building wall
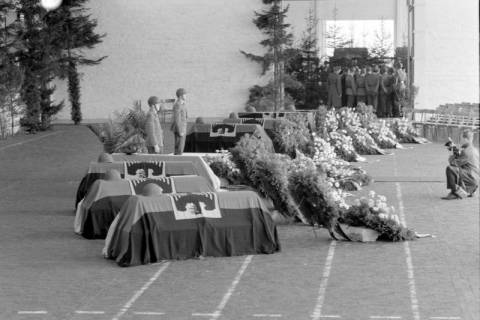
(446,52)
(154,47)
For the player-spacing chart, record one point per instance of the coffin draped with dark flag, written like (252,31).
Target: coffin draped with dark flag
(151,229)
(104,200)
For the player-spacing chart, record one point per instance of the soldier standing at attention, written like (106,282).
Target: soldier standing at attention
(372,83)
(153,128)
(350,87)
(335,88)
(179,125)
(360,85)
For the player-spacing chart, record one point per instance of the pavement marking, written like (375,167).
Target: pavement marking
(30,140)
(330,316)
(385,317)
(317,312)
(203,314)
(446,318)
(33,312)
(89,312)
(218,311)
(138,293)
(149,313)
(264,315)
(408,253)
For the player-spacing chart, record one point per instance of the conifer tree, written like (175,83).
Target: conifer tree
(271,22)
(77,30)
(10,72)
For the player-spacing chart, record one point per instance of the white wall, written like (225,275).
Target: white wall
(446,52)
(155,47)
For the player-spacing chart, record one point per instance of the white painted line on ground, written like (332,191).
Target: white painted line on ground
(330,316)
(203,314)
(446,318)
(89,312)
(408,254)
(264,315)
(385,317)
(33,312)
(138,293)
(231,289)
(317,312)
(30,140)
(149,313)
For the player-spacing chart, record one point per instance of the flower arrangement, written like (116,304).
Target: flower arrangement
(317,200)
(383,136)
(345,175)
(343,145)
(363,141)
(374,213)
(289,136)
(265,171)
(223,166)
(405,132)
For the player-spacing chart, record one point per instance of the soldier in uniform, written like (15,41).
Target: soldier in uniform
(153,127)
(335,88)
(360,85)
(179,125)
(463,172)
(350,87)
(372,84)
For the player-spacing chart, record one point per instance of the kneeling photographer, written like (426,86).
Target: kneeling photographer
(462,173)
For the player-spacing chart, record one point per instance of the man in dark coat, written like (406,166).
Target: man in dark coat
(350,87)
(372,84)
(463,173)
(179,124)
(335,88)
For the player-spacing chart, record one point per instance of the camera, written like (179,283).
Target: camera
(451,146)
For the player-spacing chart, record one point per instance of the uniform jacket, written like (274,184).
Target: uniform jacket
(372,83)
(179,124)
(387,81)
(153,130)
(350,85)
(334,90)
(360,85)
(467,161)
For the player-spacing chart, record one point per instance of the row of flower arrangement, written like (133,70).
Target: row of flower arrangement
(310,175)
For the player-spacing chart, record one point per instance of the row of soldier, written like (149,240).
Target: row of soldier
(381,87)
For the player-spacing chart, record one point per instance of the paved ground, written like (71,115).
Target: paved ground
(48,272)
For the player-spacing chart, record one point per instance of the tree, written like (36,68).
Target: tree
(11,75)
(383,45)
(77,33)
(305,68)
(39,58)
(335,35)
(271,23)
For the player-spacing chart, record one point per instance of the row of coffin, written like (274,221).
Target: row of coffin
(190,217)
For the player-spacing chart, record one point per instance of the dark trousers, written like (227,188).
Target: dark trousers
(350,100)
(382,106)
(372,100)
(179,143)
(361,99)
(453,177)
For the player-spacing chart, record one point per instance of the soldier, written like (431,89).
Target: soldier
(153,127)
(350,87)
(462,173)
(335,88)
(372,83)
(179,125)
(360,85)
